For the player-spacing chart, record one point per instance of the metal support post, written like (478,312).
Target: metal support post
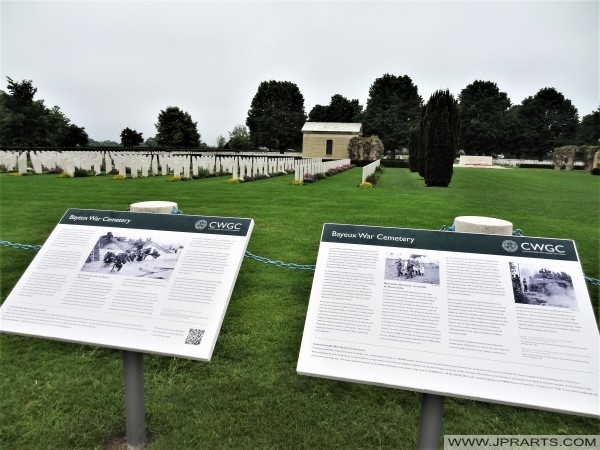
(135,409)
(430,424)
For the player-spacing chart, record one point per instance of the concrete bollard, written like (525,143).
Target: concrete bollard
(485,225)
(155,207)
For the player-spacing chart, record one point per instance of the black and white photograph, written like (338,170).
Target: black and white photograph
(412,268)
(536,284)
(133,256)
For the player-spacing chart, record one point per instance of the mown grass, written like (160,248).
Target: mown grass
(68,396)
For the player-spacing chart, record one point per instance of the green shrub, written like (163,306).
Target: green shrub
(80,172)
(397,163)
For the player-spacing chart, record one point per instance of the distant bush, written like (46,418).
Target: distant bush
(595,171)
(396,163)
(80,172)
(536,166)
(202,173)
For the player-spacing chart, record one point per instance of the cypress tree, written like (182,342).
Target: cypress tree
(440,126)
(413,148)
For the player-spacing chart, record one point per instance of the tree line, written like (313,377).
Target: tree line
(489,123)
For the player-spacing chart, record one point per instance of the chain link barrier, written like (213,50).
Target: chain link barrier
(22,246)
(280,263)
(294,266)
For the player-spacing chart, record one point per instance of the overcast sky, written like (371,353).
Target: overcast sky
(110,65)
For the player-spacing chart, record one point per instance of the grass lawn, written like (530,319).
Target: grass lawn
(69,396)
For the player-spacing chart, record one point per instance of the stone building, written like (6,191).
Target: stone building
(328,140)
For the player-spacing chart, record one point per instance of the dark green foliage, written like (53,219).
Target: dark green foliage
(73,136)
(80,172)
(28,122)
(439,137)
(395,163)
(239,139)
(392,107)
(421,154)
(595,171)
(544,122)
(340,109)
(589,129)
(413,148)
(175,128)
(276,115)
(483,118)
(131,138)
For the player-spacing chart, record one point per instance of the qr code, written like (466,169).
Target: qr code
(194,336)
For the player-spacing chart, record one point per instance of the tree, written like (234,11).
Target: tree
(413,148)
(28,122)
(74,136)
(131,138)
(340,109)
(319,113)
(221,142)
(150,142)
(439,137)
(276,115)
(23,121)
(392,107)
(175,128)
(589,129)
(546,121)
(483,118)
(239,138)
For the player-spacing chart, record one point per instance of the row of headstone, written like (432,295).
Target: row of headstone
(370,169)
(144,165)
(253,166)
(313,166)
(9,159)
(67,161)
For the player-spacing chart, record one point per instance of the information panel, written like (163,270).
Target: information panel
(503,319)
(153,283)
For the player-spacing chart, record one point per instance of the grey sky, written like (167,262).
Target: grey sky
(111,65)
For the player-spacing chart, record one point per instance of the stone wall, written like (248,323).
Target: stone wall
(314,145)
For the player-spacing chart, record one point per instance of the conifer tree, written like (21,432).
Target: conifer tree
(413,148)
(440,126)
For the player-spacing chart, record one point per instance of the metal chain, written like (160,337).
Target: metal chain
(23,246)
(592,281)
(280,263)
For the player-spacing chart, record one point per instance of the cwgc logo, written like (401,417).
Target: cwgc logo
(201,225)
(510,246)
